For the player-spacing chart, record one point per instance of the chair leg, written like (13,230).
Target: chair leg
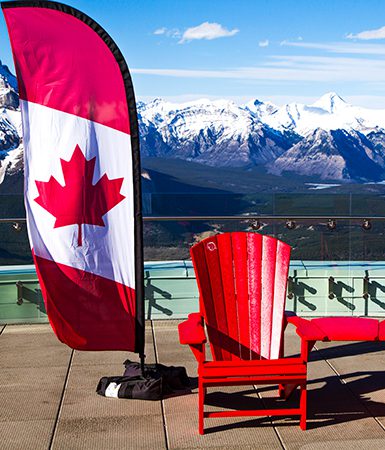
(201,400)
(303,407)
(281,390)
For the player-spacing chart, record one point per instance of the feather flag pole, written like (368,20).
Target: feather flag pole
(82,175)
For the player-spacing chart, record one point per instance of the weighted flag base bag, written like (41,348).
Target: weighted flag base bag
(155,382)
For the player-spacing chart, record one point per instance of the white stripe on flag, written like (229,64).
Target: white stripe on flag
(50,135)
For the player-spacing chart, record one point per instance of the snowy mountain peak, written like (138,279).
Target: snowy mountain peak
(8,89)
(257,102)
(260,109)
(330,102)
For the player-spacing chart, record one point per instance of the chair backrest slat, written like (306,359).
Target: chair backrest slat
(242,285)
(254,251)
(206,302)
(227,269)
(241,289)
(268,277)
(281,269)
(218,329)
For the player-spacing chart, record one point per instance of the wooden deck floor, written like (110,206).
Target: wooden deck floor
(48,399)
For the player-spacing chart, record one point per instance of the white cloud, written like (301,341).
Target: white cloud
(289,68)
(172,33)
(160,31)
(208,31)
(339,47)
(264,43)
(379,33)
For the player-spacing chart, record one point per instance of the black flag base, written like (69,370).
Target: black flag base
(151,382)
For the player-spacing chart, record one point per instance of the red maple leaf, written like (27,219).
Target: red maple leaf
(79,201)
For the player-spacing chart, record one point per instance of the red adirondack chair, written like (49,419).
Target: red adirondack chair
(242,285)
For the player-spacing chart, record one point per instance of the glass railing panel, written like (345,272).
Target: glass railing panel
(20,296)
(328,268)
(14,245)
(338,271)
(367,205)
(12,205)
(318,204)
(224,203)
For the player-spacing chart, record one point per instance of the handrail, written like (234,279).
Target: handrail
(234,217)
(13,220)
(261,217)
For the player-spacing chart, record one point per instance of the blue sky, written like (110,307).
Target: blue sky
(267,49)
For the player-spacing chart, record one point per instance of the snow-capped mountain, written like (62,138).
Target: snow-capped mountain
(211,132)
(330,112)
(8,89)
(334,154)
(329,139)
(11,151)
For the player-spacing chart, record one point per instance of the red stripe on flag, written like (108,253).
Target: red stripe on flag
(87,311)
(63,64)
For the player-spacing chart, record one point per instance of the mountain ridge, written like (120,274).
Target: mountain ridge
(329,139)
(282,138)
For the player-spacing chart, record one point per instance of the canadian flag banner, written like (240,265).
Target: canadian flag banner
(82,174)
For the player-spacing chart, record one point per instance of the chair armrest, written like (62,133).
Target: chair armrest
(291,317)
(305,329)
(191,331)
(309,331)
(349,328)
